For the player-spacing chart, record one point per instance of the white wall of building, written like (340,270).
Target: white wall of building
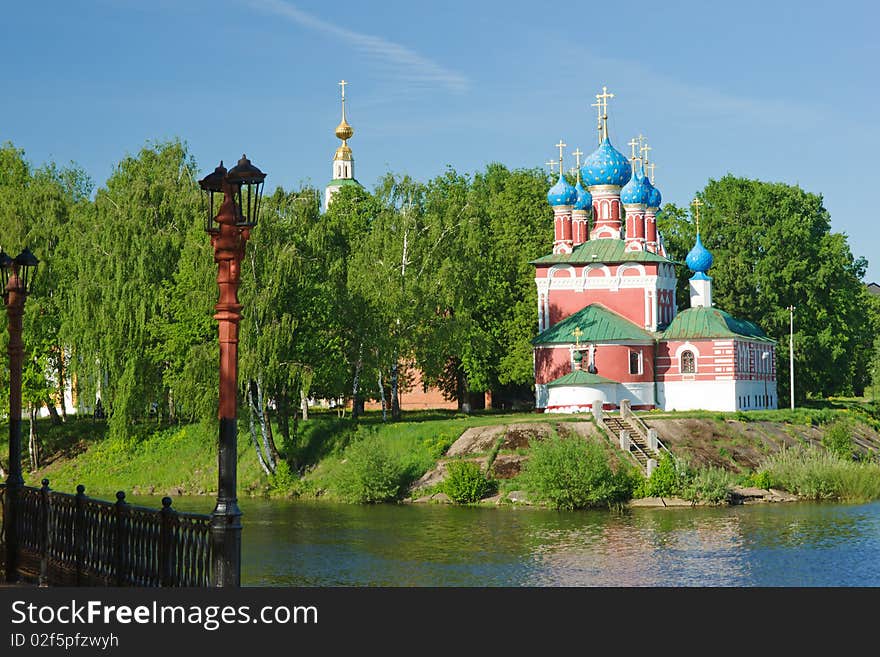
(724,395)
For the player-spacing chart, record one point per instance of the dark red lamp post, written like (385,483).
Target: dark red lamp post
(241,189)
(17,280)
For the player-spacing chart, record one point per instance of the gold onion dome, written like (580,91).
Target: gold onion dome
(343,152)
(344,131)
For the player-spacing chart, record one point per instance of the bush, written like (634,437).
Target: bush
(710,485)
(761,479)
(465,482)
(838,439)
(369,473)
(669,478)
(571,473)
(820,475)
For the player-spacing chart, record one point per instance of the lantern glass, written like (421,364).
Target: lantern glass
(27,263)
(247,181)
(5,268)
(211,185)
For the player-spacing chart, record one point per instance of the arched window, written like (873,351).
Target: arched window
(687,362)
(635,362)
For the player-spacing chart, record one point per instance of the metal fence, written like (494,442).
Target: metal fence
(74,540)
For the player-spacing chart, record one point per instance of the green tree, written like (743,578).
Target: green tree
(774,247)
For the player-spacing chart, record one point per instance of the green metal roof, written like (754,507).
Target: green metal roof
(344,181)
(597,324)
(700,322)
(579,378)
(604,250)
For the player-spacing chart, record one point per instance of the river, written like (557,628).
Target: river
(296,543)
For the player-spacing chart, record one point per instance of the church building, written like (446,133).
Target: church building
(608,325)
(343,161)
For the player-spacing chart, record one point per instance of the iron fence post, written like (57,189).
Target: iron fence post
(79,527)
(167,547)
(121,539)
(44,533)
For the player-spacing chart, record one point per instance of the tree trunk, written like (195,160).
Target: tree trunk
(464,398)
(33,444)
(53,412)
(304,404)
(253,432)
(382,395)
(395,389)
(61,387)
(266,426)
(357,406)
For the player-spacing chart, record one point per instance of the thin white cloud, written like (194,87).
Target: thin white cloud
(401,61)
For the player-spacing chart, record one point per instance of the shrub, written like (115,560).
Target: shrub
(369,473)
(818,474)
(465,482)
(838,439)
(709,485)
(761,479)
(668,479)
(572,473)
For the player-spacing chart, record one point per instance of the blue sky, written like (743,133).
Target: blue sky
(778,91)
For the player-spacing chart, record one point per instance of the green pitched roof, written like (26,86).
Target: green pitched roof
(604,250)
(597,324)
(344,181)
(579,378)
(701,322)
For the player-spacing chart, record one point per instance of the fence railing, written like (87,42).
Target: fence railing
(74,540)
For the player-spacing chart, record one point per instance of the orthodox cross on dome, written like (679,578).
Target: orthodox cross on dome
(577,333)
(560,146)
(697,203)
(644,148)
(632,144)
(577,158)
(651,168)
(551,163)
(603,99)
(342,84)
(598,106)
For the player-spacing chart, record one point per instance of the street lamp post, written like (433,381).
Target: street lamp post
(17,280)
(241,189)
(791,354)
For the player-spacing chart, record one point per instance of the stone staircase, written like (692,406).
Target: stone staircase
(634,437)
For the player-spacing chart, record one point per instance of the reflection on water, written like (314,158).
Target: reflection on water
(290,543)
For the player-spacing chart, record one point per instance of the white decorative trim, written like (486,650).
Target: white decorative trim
(555,269)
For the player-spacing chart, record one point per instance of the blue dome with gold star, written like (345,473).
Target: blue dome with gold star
(636,190)
(584,198)
(606,166)
(654,197)
(699,259)
(562,193)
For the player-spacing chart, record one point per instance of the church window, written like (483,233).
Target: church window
(688,366)
(635,362)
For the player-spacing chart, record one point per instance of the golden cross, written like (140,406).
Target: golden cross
(644,149)
(577,156)
(697,203)
(651,167)
(342,84)
(603,98)
(560,146)
(598,106)
(577,333)
(551,164)
(632,144)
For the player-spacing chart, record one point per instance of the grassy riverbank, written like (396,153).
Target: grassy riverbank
(338,458)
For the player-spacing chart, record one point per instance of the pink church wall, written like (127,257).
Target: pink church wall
(612,362)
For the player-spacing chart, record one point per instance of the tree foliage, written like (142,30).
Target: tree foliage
(774,248)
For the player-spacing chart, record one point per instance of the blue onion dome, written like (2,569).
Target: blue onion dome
(700,258)
(654,197)
(562,193)
(636,190)
(584,198)
(606,166)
